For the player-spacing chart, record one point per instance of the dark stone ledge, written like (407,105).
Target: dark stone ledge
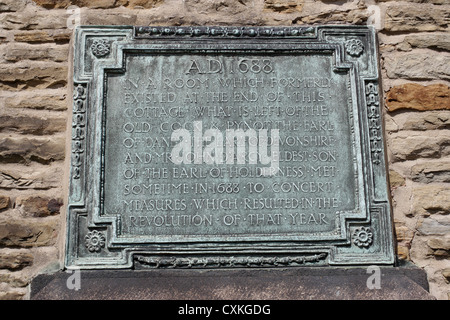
(315,283)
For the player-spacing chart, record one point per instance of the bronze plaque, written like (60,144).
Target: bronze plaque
(227,147)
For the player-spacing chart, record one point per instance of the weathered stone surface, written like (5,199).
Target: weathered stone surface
(145,4)
(418,97)
(396,180)
(20,52)
(101,17)
(45,76)
(14,278)
(418,1)
(24,149)
(439,243)
(12,5)
(104,4)
(423,17)
(432,120)
(430,226)
(335,15)
(390,124)
(14,259)
(39,100)
(403,252)
(43,36)
(34,20)
(434,41)
(224,6)
(57,4)
(4,202)
(28,232)
(433,199)
(417,120)
(12,294)
(409,145)
(446,274)
(440,246)
(417,65)
(283,6)
(404,234)
(37,206)
(34,177)
(431,172)
(195,12)
(32,125)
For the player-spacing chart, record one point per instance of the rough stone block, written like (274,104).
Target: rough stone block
(19,52)
(102,4)
(434,40)
(213,6)
(446,274)
(430,226)
(38,176)
(418,97)
(283,6)
(15,78)
(25,149)
(39,99)
(440,246)
(335,15)
(37,206)
(13,294)
(432,120)
(432,199)
(402,16)
(404,234)
(403,252)
(14,278)
(417,65)
(12,5)
(409,145)
(431,172)
(14,259)
(101,17)
(34,20)
(419,1)
(43,36)
(395,179)
(25,233)
(4,202)
(25,124)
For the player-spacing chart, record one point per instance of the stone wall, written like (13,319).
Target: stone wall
(35,53)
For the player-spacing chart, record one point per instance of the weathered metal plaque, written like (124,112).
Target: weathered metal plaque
(203,147)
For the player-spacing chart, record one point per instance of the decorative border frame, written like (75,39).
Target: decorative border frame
(92,240)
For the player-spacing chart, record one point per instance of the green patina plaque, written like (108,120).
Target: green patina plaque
(198,147)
